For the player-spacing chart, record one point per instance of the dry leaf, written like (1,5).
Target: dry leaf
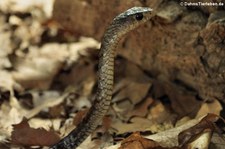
(79,116)
(37,69)
(183,103)
(169,138)
(136,141)
(201,141)
(26,5)
(8,116)
(217,141)
(207,123)
(141,109)
(212,107)
(159,113)
(136,124)
(24,135)
(135,91)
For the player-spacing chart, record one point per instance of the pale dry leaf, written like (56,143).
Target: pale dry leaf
(15,104)
(5,49)
(113,146)
(55,51)
(160,114)
(79,48)
(40,66)
(4,62)
(56,123)
(169,138)
(39,98)
(202,142)
(82,102)
(50,102)
(36,73)
(8,116)
(88,143)
(67,127)
(141,109)
(213,107)
(207,123)
(15,20)
(122,108)
(136,124)
(135,91)
(47,124)
(7,82)
(4,135)
(182,121)
(27,34)
(27,5)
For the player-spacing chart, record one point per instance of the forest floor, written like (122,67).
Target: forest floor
(48,80)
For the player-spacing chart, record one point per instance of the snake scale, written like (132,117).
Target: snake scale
(122,24)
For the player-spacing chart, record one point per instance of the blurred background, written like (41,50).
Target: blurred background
(169,73)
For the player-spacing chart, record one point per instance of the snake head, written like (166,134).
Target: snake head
(131,19)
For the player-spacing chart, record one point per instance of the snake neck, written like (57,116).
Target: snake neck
(106,64)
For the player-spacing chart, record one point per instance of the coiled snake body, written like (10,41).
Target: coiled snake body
(121,25)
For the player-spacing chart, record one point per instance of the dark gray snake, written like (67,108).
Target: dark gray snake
(120,25)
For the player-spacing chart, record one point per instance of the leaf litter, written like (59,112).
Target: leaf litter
(47,87)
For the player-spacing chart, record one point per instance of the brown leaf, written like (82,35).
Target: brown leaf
(79,116)
(141,109)
(182,103)
(106,122)
(136,141)
(24,135)
(136,124)
(134,91)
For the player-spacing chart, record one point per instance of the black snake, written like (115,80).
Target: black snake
(120,25)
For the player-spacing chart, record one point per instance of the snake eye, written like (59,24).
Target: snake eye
(139,16)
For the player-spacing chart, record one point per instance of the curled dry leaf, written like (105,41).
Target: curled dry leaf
(135,91)
(24,135)
(206,124)
(141,109)
(136,124)
(40,104)
(136,141)
(201,141)
(211,107)
(169,138)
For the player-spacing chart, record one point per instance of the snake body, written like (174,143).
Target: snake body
(121,25)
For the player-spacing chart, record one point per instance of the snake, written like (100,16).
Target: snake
(120,26)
